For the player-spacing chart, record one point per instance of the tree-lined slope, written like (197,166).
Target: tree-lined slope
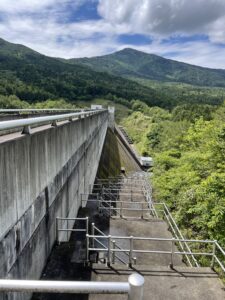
(35,77)
(131,63)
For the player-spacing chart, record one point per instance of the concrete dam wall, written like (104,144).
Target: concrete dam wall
(41,177)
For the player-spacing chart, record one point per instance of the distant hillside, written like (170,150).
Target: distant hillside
(133,64)
(35,77)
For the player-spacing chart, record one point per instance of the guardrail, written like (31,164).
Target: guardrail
(111,250)
(33,110)
(68,230)
(27,123)
(176,232)
(133,288)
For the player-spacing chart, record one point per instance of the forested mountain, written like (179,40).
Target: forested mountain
(131,63)
(35,77)
(188,149)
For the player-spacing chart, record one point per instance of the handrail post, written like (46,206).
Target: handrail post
(214,253)
(56,231)
(87,248)
(121,209)
(113,252)
(112,211)
(109,250)
(67,232)
(172,253)
(142,211)
(87,223)
(131,251)
(136,283)
(92,233)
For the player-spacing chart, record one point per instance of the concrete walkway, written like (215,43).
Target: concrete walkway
(162,283)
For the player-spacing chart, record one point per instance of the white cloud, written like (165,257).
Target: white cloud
(166,17)
(23,6)
(158,18)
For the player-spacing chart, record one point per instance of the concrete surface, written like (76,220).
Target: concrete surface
(41,177)
(162,283)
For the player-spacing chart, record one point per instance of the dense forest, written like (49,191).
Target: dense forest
(33,77)
(188,147)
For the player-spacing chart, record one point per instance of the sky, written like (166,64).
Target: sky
(191,31)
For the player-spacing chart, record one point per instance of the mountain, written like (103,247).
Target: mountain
(32,77)
(133,64)
(119,77)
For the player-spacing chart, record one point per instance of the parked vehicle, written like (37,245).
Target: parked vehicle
(146,161)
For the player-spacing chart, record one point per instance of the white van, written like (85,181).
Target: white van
(146,161)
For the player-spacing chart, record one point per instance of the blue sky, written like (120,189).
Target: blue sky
(184,30)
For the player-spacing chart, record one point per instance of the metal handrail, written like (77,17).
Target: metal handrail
(86,219)
(12,124)
(8,110)
(94,228)
(174,225)
(134,286)
(172,252)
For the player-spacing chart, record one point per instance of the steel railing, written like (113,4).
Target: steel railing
(113,205)
(65,226)
(133,287)
(27,123)
(93,242)
(38,110)
(176,232)
(110,250)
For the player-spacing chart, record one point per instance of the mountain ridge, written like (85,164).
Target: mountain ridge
(131,63)
(33,77)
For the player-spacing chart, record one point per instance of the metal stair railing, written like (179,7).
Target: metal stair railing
(115,246)
(122,208)
(109,250)
(177,233)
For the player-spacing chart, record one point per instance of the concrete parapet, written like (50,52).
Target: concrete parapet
(41,177)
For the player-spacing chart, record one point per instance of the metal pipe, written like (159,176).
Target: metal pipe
(136,283)
(56,230)
(131,251)
(5,125)
(87,221)
(73,287)
(39,110)
(109,249)
(213,254)
(93,233)
(113,253)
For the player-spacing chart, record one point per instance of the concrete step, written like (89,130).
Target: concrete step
(164,283)
(151,228)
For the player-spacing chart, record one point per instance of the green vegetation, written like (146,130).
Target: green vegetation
(132,63)
(188,146)
(174,82)
(173,111)
(33,77)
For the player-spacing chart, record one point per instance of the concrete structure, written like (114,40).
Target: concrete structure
(41,177)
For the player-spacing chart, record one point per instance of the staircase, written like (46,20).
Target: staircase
(143,237)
